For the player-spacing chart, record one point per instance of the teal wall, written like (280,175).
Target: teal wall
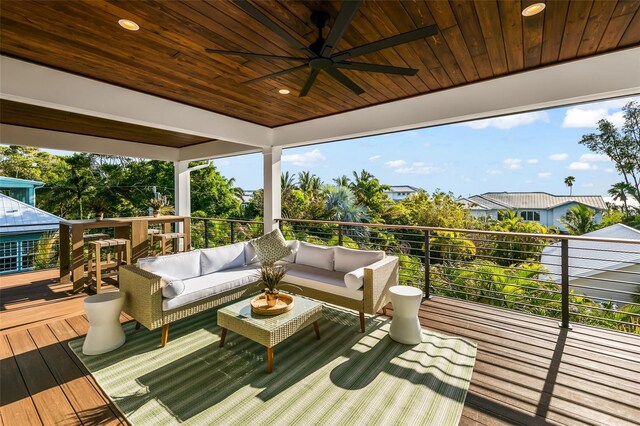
(20,189)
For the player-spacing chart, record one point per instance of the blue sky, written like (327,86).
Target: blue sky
(524,152)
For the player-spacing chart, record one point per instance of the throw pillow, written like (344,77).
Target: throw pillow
(271,247)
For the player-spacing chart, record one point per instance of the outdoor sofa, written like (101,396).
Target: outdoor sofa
(164,289)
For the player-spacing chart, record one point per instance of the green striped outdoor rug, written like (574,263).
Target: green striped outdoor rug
(345,378)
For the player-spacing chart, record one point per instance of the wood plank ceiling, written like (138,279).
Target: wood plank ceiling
(477,40)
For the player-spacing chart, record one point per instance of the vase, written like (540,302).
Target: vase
(272,298)
(99,216)
(156,213)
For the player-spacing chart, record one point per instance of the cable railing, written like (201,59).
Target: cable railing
(211,232)
(594,281)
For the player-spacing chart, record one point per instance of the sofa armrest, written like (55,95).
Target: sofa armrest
(378,278)
(143,295)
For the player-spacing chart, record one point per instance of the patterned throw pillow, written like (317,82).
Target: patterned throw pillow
(271,247)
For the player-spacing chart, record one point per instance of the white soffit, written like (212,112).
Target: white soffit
(604,76)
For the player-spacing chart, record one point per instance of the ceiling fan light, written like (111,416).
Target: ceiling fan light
(533,9)
(128,25)
(284,91)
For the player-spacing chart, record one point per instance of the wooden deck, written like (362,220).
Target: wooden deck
(528,371)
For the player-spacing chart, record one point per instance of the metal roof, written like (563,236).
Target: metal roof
(14,182)
(402,188)
(18,217)
(533,200)
(587,258)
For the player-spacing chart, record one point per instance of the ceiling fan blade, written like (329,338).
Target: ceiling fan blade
(262,18)
(275,74)
(346,81)
(386,43)
(384,69)
(256,55)
(309,82)
(340,25)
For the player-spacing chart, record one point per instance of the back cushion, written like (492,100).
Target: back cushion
(294,245)
(347,260)
(180,265)
(221,258)
(315,255)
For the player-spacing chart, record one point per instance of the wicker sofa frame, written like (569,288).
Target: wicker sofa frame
(143,299)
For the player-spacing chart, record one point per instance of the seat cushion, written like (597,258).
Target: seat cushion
(206,286)
(221,258)
(315,255)
(347,260)
(305,276)
(180,265)
(271,247)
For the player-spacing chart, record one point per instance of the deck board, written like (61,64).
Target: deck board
(527,371)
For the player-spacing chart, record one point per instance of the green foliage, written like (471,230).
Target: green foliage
(440,210)
(579,220)
(611,217)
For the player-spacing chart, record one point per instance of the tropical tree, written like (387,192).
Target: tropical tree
(370,192)
(619,192)
(579,220)
(342,205)
(569,180)
(342,181)
(287,182)
(309,183)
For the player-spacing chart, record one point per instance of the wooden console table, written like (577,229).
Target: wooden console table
(134,229)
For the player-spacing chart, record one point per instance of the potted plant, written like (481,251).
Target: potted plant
(269,277)
(156,204)
(99,206)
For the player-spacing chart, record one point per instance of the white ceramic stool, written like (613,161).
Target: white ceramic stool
(105,332)
(405,326)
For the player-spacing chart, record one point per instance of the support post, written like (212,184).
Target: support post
(339,235)
(272,189)
(182,194)
(564,281)
(427,264)
(206,233)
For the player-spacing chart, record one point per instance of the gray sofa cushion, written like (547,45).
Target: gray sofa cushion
(315,255)
(181,265)
(210,285)
(347,260)
(305,276)
(221,258)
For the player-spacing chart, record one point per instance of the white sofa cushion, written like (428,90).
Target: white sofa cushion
(180,265)
(315,255)
(294,245)
(347,260)
(171,286)
(305,276)
(221,258)
(354,280)
(210,285)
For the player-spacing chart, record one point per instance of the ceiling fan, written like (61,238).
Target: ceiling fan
(320,56)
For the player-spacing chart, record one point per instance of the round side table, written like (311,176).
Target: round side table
(105,332)
(405,326)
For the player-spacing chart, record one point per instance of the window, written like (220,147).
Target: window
(20,194)
(9,256)
(28,254)
(530,215)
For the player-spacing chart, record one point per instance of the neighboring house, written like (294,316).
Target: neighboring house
(20,189)
(21,227)
(631,203)
(247,197)
(400,192)
(605,267)
(532,206)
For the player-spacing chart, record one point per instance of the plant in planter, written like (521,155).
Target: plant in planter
(99,205)
(269,277)
(156,204)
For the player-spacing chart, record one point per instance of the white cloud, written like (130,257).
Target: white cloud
(374,158)
(418,168)
(587,116)
(558,157)
(395,163)
(509,121)
(610,170)
(579,165)
(512,163)
(590,158)
(533,161)
(544,174)
(306,159)
(494,172)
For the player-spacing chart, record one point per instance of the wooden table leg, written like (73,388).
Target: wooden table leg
(77,257)
(65,273)
(316,327)
(139,239)
(187,234)
(269,360)
(223,336)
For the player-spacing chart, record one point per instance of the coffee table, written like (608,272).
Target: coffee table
(269,330)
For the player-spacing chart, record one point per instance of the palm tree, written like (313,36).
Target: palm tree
(342,180)
(287,182)
(342,203)
(619,192)
(309,183)
(569,182)
(579,220)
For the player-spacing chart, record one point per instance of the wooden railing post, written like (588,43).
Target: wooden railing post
(564,281)
(206,233)
(427,264)
(339,235)
(232,232)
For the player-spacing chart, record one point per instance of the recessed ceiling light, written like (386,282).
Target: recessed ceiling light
(129,25)
(284,91)
(533,9)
